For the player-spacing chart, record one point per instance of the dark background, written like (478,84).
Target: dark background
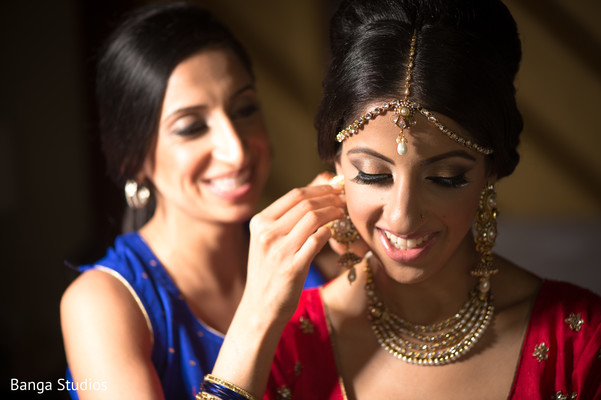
(57,204)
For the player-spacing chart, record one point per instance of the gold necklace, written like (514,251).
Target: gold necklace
(436,344)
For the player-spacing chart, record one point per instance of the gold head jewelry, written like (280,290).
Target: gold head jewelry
(344,232)
(404,115)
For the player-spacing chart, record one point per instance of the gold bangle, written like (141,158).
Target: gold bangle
(206,396)
(229,385)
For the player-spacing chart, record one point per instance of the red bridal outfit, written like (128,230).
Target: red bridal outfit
(560,357)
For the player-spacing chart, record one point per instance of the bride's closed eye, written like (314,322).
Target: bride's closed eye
(457,181)
(372,179)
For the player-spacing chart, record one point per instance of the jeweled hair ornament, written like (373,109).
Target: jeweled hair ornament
(404,115)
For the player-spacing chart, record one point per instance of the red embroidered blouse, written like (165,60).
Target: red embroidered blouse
(560,357)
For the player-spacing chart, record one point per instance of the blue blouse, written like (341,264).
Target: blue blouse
(185,349)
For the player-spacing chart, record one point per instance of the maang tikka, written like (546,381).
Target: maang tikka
(404,115)
(404,112)
(344,232)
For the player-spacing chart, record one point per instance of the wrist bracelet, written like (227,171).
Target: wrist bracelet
(216,388)
(206,396)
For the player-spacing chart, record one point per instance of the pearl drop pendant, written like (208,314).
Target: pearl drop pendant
(401,147)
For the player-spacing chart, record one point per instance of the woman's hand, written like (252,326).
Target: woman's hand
(285,237)
(358,247)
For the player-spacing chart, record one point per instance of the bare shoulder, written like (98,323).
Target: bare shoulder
(97,294)
(106,337)
(99,305)
(91,283)
(514,286)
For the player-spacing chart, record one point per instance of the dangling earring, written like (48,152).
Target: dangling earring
(485,234)
(344,232)
(136,195)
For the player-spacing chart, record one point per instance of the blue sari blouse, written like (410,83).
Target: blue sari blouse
(185,349)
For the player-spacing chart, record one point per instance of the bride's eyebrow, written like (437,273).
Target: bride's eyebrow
(450,154)
(455,153)
(365,150)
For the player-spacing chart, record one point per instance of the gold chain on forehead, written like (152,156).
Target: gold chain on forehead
(404,115)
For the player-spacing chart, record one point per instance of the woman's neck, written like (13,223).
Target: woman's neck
(207,253)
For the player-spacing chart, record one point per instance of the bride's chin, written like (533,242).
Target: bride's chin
(402,274)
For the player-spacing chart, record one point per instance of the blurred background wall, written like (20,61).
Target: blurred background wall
(57,206)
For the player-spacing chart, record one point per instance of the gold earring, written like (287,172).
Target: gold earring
(344,232)
(485,234)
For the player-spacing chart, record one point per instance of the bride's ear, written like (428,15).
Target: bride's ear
(338,166)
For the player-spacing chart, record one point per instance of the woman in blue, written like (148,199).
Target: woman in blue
(182,127)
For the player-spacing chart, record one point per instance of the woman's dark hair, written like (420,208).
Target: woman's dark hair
(133,71)
(467,55)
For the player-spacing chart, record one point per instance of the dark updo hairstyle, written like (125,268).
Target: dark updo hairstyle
(467,55)
(133,71)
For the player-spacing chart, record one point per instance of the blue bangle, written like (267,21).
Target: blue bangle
(224,390)
(221,391)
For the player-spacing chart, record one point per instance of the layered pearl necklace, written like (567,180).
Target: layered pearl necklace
(436,344)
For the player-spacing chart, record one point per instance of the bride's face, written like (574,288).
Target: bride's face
(413,210)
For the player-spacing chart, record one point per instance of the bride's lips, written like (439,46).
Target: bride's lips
(231,185)
(406,249)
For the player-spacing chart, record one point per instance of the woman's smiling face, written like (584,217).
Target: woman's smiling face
(212,154)
(415,210)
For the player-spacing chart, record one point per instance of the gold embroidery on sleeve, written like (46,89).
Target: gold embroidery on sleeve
(284,393)
(298,367)
(541,352)
(306,325)
(575,322)
(567,396)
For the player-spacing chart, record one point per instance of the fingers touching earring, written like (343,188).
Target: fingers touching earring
(344,232)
